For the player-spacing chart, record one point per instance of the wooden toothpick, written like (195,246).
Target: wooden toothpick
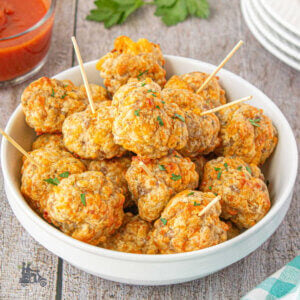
(210,204)
(83,74)
(225,106)
(220,66)
(146,169)
(16,145)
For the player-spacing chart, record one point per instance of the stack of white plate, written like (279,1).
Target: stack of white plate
(276,25)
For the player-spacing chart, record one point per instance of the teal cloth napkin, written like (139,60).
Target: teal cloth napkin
(284,284)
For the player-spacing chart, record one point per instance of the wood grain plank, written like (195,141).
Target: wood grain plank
(209,41)
(16,245)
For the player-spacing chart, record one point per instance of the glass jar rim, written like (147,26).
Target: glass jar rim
(36,25)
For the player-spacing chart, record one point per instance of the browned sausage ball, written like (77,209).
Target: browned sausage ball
(181,229)
(144,123)
(131,59)
(152,188)
(245,197)
(246,132)
(115,169)
(90,135)
(132,236)
(38,181)
(86,206)
(48,140)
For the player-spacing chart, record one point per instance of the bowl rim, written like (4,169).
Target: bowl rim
(149,258)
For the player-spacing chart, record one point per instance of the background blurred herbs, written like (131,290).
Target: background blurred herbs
(113,12)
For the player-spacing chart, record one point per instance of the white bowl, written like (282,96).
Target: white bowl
(280,170)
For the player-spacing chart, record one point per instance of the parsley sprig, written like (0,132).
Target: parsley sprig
(113,12)
(255,122)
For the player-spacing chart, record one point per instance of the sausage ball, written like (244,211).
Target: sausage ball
(181,229)
(98,92)
(212,93)
(90,135)
(245,197)
(115,169)
(86,206)
(203,131)
(38,181)
(153,182)
(144,123)
(132,236)
(48,140)
(246,132)
(131,59)
(47,102)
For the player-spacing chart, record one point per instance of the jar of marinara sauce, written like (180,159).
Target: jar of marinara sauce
(25,35)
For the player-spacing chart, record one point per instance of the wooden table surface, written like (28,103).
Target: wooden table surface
(207,40)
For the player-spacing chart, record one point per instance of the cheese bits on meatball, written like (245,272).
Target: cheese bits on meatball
(212,93)
(144,123)
(203,131)
(131,59)
(132,237)
(90,135)
(182,228)
(115,169)
(246,132)
(86,206)
(153,182)
(38,180)
(245,197)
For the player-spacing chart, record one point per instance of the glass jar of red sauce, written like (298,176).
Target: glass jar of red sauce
(25,35)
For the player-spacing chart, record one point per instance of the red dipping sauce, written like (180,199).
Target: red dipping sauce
(25,34)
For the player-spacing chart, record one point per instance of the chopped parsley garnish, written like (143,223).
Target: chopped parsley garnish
(53,181)
(219,174)
(239,168)
(143,84)
(191,193)
(63,96)
(160,121)
(137,112)
(217,169)
(154,95)
(249,170)
(215,194)
(157,106)
(164,221)
(196,204)
(175,177)
(210,187)
(141,74)
(162,167)
(254,122)
(64,174)
(177,156)
(226,166)
(181,118)
(82,198)
(53,93)
(163,102)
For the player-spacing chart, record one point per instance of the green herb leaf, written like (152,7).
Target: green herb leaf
(210,187)
(164,221)
(143,84)
(113,12)
(226,166)
(181,118)
(196,204)
(175,11)
(160,121)
(63,96)
(157,107)
(215,194)
(162,167)
(137,112)
(219,174)
(254,122)
(141,74)
(53,181)
(175,177)
(249,170)
(82,198)
(163,102)
(217,169)
(53,93)
(239,168)
(64,174)
(191,193)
